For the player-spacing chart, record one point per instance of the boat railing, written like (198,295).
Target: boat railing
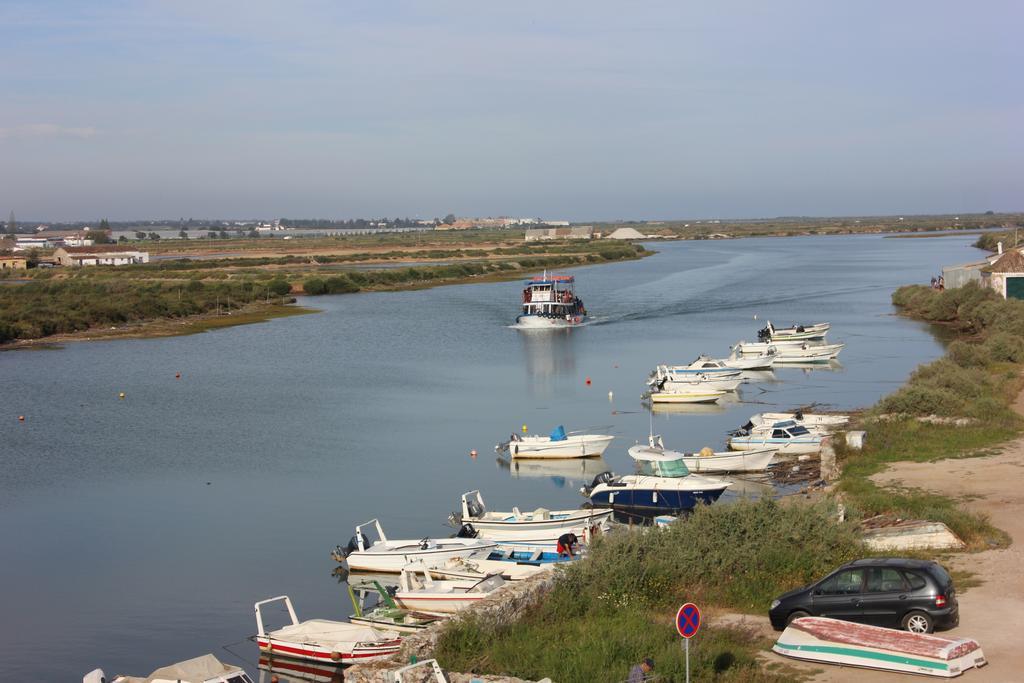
(260,631)
(360,536)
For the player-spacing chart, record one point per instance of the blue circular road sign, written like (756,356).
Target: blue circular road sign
(688,620)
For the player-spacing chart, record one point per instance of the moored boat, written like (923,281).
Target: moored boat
(664,484)
(695,395)
(384,555)
(386,615)
(785,437)
(822,423)
(795,333)
(707,460)
(708,366)
(559,444)
(665,378)
(763,360)
(322,640)
(204,669)
(516,526)
(418,590)
(831,641)
(801,352)
(550,301)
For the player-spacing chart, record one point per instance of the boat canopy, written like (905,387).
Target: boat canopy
(551,279)
(660,463)
(558,434)
(202,668)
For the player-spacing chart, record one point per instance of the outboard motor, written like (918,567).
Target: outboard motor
(602,478)
(353,545)
(800,328)
(799,415)
(764,334)
(466,531)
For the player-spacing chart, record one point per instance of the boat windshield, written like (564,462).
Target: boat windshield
(798,431)
(665,468)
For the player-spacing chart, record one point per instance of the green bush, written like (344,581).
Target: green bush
(279,286)
(314,286)
(1004,347)
(967,355)
(922,400)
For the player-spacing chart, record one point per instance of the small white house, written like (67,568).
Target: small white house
(1006,275)
(102,255)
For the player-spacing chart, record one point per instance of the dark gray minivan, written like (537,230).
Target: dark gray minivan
(915,595)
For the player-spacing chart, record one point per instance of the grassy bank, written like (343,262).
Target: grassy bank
(83,301)
(618,606)
(970,390)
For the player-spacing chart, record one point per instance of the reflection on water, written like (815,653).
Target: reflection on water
(289,670)
(748,486)
(549,356)
(566,472)
(831,366)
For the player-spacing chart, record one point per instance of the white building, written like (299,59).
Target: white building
(102,255)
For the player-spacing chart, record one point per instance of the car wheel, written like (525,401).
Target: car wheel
(796,615)
(917,622)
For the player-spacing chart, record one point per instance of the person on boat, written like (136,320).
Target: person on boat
(638,674)
(567,544)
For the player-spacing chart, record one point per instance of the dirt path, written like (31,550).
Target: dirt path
(993,613)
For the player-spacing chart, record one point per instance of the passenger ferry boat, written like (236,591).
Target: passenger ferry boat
(550,301)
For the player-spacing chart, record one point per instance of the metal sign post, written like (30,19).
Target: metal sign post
(688,623)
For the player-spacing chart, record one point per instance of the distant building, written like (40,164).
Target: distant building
(102,255)
(13,263)
(579,232)
(556,223)
(25,243)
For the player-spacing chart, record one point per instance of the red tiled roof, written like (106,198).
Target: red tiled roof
(1010,262)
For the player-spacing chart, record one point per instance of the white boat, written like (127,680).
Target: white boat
(753,361)
(385,615)
(803,352)
(322,640)
(708,366)
(664,484)
(559,444)
(785,437)
(795,333)
(831,641)
(204,669)
(694,395)
(417,590)
(664,378)
(550,302)
(707,460)
(819,422)
(384,555)
(476,521)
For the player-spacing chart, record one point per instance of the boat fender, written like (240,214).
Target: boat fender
(466,531)
(335,656)
(706,451)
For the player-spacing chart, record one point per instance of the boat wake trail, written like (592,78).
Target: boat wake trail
(706,304)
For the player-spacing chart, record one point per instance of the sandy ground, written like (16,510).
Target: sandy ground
(993,613)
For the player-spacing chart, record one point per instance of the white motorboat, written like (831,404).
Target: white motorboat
(550,302)
(708,366)
(664,378)
(540,525)
(834,641)
(417,590)
(795,333)
(204,669)
(695,395)
(559,444)
(707,460)
(322,640)
(763,360)
(664,484)
(814,422)
(384,555)
(785,437)
(801,352)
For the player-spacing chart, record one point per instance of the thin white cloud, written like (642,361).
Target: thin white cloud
(46,130)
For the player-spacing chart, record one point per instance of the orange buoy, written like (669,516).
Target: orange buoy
(177,375)
(21,418)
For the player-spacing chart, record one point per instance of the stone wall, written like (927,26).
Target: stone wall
(508,603)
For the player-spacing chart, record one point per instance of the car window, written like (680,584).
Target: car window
(884,580)
(939,573)
(844,583)
(915,581)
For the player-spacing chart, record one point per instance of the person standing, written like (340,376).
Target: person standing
(638,674)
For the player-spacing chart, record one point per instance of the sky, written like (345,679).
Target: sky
(132,109)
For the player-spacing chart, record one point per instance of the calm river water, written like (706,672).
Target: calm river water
(139,532)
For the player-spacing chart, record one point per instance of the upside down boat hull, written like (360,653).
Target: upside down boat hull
(830,641)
